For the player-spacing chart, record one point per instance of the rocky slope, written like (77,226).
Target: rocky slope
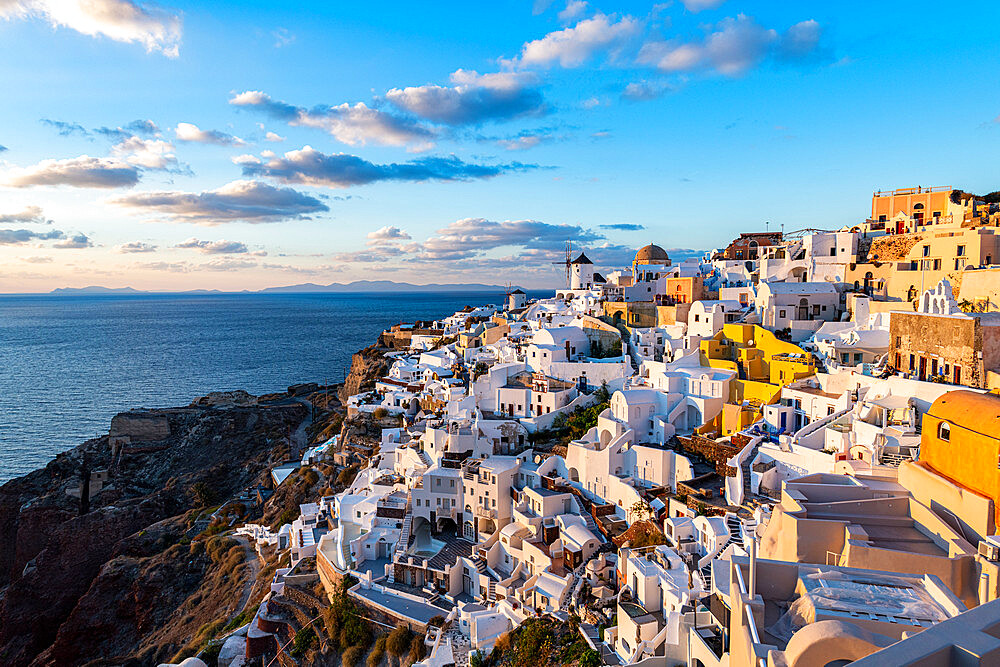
(94,573)
(367,365)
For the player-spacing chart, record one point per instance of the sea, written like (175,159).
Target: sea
(68,364)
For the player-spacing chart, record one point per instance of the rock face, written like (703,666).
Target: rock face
(55,548)
(366,366)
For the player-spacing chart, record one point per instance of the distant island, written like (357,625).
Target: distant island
(303,288)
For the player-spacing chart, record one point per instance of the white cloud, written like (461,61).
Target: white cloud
(194,134)
(78,172)
(696,6)
(574,10)
(274,137)
(119,20)
(474,98)
(733,46)
(387,234)
(572,47)
(247,201)
(29,214)
(148,153)
(352,125)
(220,247)
(309,166)
(73,242)
(644,90)
(135,247)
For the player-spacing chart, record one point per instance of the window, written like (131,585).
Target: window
(781,313)
(898,342)
(937,264)
(960,251)
(857,357)
(944,431)
(833,252)
(926,251)
(911,362)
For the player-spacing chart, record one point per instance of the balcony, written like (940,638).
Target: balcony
(485,512)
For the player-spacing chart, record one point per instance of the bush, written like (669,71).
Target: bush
(476,659)
(380,413)
(590,658)
(203,494)
(398,641)
(418,650)
(347,475)
(287,516)
(352,656)
(304,640)
(375,657)
(311,477)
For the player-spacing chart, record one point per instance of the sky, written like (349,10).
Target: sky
(231,146)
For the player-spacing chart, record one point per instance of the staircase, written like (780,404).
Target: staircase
(706,575)
(491,591)
(735,526)
(404,536)
(426,460)
(587,517)
(480,564)
(890,459)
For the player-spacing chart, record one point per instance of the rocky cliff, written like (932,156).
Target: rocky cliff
(79,578)
(366,366)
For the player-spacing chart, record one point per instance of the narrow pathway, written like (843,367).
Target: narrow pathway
(251,558)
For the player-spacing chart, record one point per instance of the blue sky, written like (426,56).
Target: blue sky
(243,145)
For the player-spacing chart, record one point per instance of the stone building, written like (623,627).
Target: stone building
(957,348)
(747,246)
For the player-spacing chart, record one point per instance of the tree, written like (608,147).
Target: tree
(641,510)
(476,659)
(352,656)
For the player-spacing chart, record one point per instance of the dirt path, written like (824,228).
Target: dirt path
(250,556)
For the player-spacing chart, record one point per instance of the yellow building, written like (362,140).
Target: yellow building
(960,440)
(763,365)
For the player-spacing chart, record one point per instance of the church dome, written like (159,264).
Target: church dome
(651,254)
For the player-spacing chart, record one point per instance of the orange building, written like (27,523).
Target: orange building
(683,290)
(918,203)
(960,440)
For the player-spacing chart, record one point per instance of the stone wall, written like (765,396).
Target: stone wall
(949,340)
(140,427)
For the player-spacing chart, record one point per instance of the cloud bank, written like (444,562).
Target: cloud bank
(309,166)
(246,201)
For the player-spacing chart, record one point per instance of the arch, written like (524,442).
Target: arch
(605,437)
(911,293)
(574,475)
(803,309)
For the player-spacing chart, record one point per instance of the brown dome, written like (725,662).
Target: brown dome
(651,254)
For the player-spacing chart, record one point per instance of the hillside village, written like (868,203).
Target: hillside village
(782,453)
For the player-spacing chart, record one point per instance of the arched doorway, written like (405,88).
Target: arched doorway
(868,283)
(803,310)
(574,475)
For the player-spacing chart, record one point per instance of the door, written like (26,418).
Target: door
(922,374)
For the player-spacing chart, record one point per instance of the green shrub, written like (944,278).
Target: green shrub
(304,640)
(380,413)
